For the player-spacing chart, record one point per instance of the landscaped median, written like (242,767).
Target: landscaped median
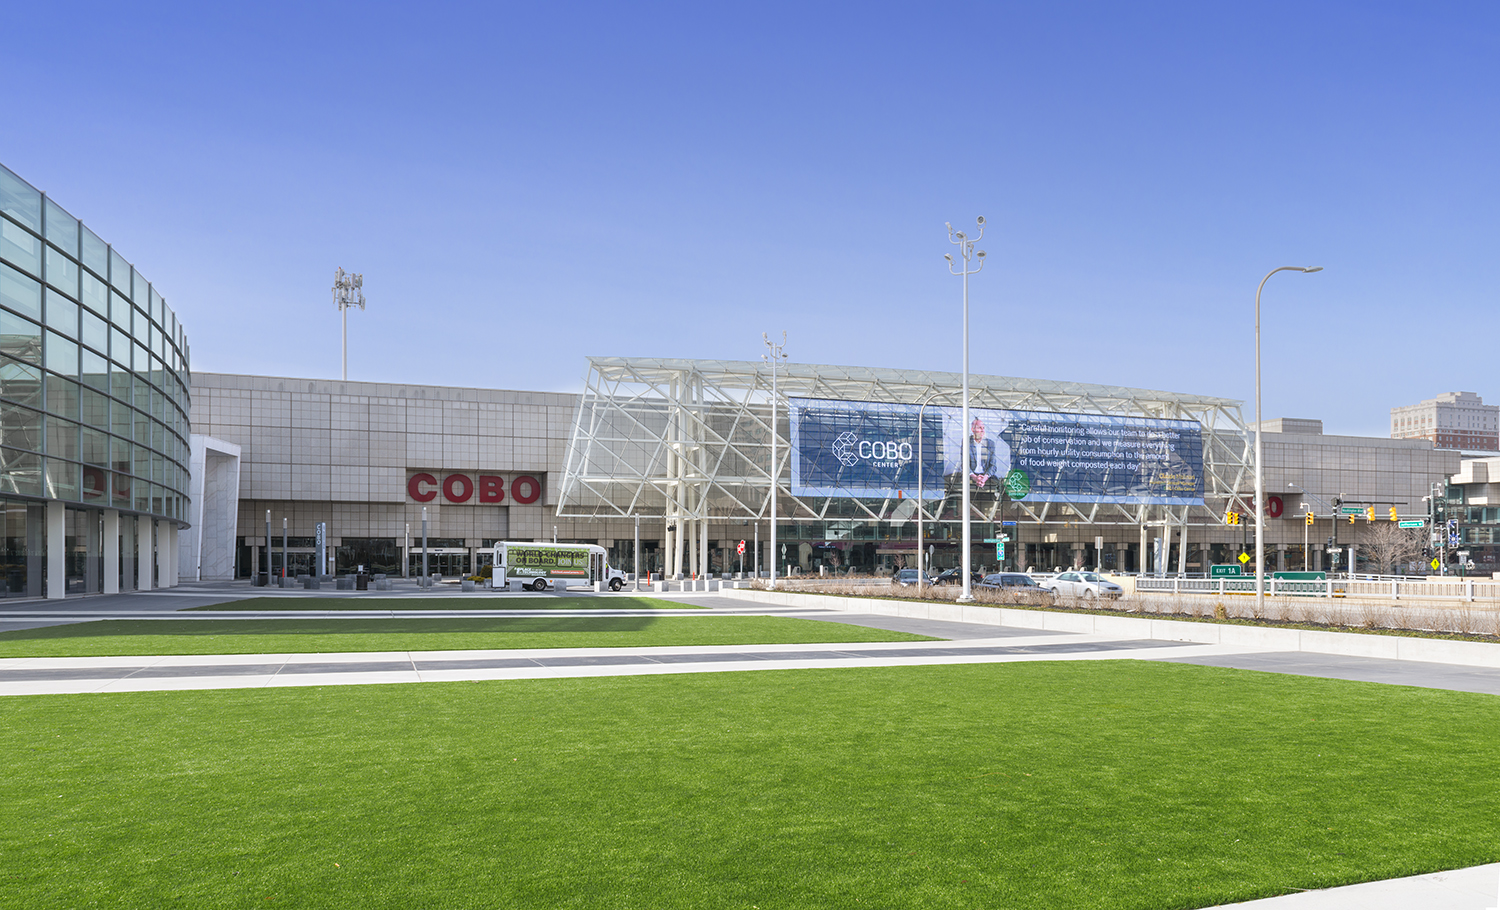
(453,604)
(1351,644)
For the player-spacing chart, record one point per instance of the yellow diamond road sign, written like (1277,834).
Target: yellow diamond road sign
(1436,564)
(1244,558)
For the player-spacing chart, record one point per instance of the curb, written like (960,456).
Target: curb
(1347,644)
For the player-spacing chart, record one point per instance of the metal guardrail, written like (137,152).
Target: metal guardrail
(1459,589)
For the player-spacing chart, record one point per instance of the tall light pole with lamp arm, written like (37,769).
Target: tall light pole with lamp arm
(776,352)
(966,250)
(1260,493)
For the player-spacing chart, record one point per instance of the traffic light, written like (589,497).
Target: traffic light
(1369,513)
(1308,518)
(1427,552)
(1231,518)
(1393,514)
(1351,518)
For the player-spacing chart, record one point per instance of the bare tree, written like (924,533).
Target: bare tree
(1391,549)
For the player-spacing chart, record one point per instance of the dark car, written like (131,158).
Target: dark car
(906,578)
(954,577)
(1015,588)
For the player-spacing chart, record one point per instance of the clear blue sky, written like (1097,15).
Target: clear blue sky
(523,185)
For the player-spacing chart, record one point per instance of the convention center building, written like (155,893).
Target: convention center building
(672,460)
(121,470)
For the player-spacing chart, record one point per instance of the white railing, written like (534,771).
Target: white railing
(1394,588)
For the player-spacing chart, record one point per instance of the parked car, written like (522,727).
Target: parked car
(906,578)
(954,577)
(1087,585)
(1014,587)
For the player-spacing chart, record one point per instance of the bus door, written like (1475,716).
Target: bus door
(596,566)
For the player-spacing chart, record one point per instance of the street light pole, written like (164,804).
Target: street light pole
(1260,493)
(965,246)
(776,351)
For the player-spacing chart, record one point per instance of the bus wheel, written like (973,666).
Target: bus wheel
(615,584)
(539,585)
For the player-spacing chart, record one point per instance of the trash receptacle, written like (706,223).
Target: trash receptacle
(361,582)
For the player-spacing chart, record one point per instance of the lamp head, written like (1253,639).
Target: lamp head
(981,221)
(1314,268)
(948,256)
(960,235)
(980,254)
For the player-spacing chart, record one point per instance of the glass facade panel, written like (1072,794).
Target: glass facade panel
(62,229)
(95,484)
(94,446)
(94,332)
(20,382)
(62,438)
(94,369)
(119,272)
(120,491)
(93,409)
(62,480)
(23,250)
(62,396)
(20,428)
(62,314)
(19,200)
(20,562)
(95,252)
(62,355)
(20,338)
(142,430)
(62,272)
(95,295)
(119,348)
(20,293)
(121,418)
(20,472)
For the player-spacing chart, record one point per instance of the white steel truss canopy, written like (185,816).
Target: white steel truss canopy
(691,439)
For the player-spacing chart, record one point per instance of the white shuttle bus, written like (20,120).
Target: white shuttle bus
(539,565)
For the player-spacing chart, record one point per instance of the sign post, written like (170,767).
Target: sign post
(740,549)
(322,544)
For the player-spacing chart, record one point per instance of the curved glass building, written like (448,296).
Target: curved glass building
(94,408)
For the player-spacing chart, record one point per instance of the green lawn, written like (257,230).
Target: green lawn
(281,636)
(454,602)
(1032,785)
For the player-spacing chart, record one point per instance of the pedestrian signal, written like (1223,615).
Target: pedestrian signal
(1308,517)
(1393,514)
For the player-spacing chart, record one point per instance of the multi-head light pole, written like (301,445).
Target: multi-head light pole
(348,291)
(966,250)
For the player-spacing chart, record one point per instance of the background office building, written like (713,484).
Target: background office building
(94,404)
(1452,420)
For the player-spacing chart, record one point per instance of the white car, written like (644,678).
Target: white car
(1087,585)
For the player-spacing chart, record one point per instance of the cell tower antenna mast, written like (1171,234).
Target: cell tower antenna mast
(348,291)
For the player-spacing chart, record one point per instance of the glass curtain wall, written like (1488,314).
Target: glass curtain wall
(94,380)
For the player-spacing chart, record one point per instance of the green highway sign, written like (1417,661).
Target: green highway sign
(1230,571)
(1351,510)
(1411,523)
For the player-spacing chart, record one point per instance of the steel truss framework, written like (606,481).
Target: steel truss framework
(691,439)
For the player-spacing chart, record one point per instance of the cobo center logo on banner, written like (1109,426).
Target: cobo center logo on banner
(850,450)
(461,487)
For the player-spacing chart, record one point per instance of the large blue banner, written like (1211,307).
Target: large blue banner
(873,451)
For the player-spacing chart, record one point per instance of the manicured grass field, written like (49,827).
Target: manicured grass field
(281,636)
(1032,785)
(454,602)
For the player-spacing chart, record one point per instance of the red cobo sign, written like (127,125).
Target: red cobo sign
(483,489)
